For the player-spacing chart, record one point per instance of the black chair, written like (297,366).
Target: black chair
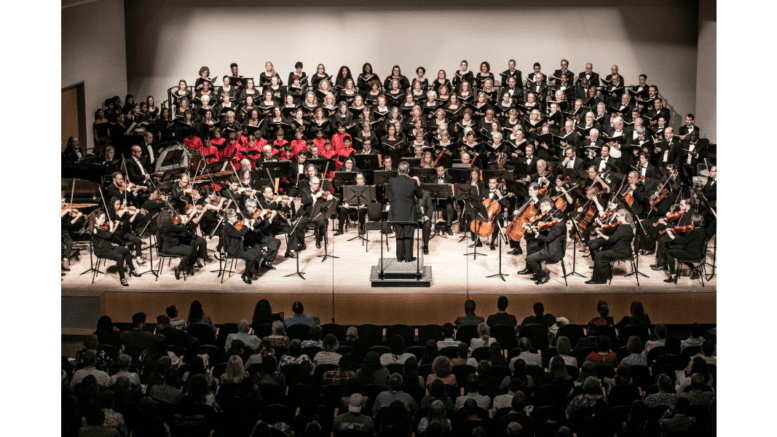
(334,329)
(223,331)
(215,355)
(162,255)
(430,332)
(547,355)
(380,350)
(372,335)
(351,433)
(563,269)
(505,335)
(299,331)
(417,351)
(536,372)
(219,370)
(453,391)
(203,333)
(548,394)
(481,353)
(657,411)
(605,371)
(654,353)
(633,260)
(263,331)
(375,223)
(451,352)
(318,373)
(641,377)
(699,264)
(272,394)
(500,372)
(311,351)
(406,332)
(581,353)
(292,373)
(372,391)
(640,331)
(395,368)
(691,351)
(332,394)
(425,370)
(622,352)
(414,390)
(573,372)
(95,264)
(537,335)
(572,332)
(110,351)
(466,333)
(282,412)
(344,349)
(462,371)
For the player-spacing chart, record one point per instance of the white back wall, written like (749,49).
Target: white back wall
(93,52)
(168,40)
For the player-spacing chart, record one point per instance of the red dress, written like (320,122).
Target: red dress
(298,146)
(320,143)
(231,151)
(255,147)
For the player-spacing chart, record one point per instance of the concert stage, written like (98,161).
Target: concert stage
(343,285)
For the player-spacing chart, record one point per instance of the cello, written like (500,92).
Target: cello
(516,230)
(493,207)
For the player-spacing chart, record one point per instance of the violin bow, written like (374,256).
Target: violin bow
(72,193)
(105,205)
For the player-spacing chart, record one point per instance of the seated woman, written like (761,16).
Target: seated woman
(278,337)
(397,354)
(441,369)
(328,355)
(372,372)
(483,339)
(294,354)
(102,235)
(603,356)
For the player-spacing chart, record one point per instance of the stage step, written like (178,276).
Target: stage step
(394,269)
(400,274)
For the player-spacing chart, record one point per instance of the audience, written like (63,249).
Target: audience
(124,362)
(694,340)
(175,321)
(106,334)
(441,369)
(137,338)
(537,318)
(501,317)
(372,372)
(473,385)
(354,419)
(397,354)
(90,361)
(394,393)
(666,393)
(635,357)
(328,355)
(263,315)
(174,336)
(661,333)
(448,331)
(90,344)
(316,333)
(198,317)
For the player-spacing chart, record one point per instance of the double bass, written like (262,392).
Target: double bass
(493,207)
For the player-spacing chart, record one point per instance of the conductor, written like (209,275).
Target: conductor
(403,192)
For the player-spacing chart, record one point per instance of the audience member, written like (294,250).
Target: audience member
(106,334)
(174,336)
(342,375)
(278,337)
(473,385)
(441,369)
(124,362)
(198,317)
(469,317)
(661,333)
(354,419)
(299,316)
(530,358)
(90,360)
(242,334)
(483,339)
(175,321)
(316,333)
(564,347)
(694,340)
(90,344)
(537,318)
(328,355)
(448,331)
(372,372)
(137,338)
(263,315)
(394,393)
(397,354)
(666,393)
(501,317)
(635,357)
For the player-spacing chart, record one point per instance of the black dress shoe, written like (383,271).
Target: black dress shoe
(450,232)
(526,272)
(411,259)
(671,279)
(318,245)
(289,255)
(124,283)
(516,251)
(695,275)
(543,279)
(659,267)
(426,251)
(247,279)
(177,274)
(134,274)
(339,232)
(492,247)
(534,277)
(268,265)
(592,282)
(301,248)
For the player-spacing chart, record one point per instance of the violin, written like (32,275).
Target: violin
(189,208)
(283,198)
(324,194)
(606,229)
(74,208)
(544,187)
(677,230)
(194,192)
(130,186)
(670,218)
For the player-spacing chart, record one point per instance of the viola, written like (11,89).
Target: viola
(609,228)
(671,218)
(677,230)
(544,226)
(283,198)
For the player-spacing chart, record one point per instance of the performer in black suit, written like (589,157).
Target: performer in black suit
(309,197)
(136,170)
(442,178)
(620,248)
(425,217)
(233,245)
(689,246)
(403,192)
(494,193)
(281,222)
(259,237)
(571,160)
(593,78)
(170,235)
(72,152)
(554,240)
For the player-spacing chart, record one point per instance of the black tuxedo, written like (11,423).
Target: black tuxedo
(612,163)
(145,156)
(688,246)
(425,210)
(592,81)
(508,74)
(403,192)
(656,114)
(307,203)
(569,73)
(650,171)
(675,153)
(619,248)
(531,167)
(134,171)
(577,163)
(701,151)
(554,241)
(233,246)
(684,130)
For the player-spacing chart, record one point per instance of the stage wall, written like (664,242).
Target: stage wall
(171,40)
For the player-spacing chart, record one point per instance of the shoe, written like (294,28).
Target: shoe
(65,265)
(318,245)
(301,248)
(659,267)
(449,232)
(289,255)
(426,251)
(534,277)
(124,283)
(177,274)
(543,279)
(586,255)
(516,251)
(671,279)
(200,264)
(526,271)
(246,279)
(339,232)
(134,274)
(140,261)
(592,282)
(268,265)
(695,275)
(411,259)
(492,247)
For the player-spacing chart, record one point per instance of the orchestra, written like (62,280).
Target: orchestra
(555,159)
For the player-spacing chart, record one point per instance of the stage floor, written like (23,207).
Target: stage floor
(452,273)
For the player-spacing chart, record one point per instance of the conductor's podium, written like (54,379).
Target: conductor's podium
(401,274)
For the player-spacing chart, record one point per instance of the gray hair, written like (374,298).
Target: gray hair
(617,120)
(496,135)
(640,130)
(243,326)
(403,168)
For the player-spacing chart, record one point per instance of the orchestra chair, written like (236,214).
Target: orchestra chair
(162,255)
(94,261)
(374,223)
(699,264)
(632,259)
(563,269)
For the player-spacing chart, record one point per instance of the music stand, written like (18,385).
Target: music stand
(478,211)
(639,234)
(367,162)
(437,192)
(322,211)
(413,161)
(579,234)
(462,192)
(277,169)
(172,175)
(358,195)
(320,164)
(382,176)
(422,173)
(459,174)
(501,237)
(150,246)
(297,273)
(343,178)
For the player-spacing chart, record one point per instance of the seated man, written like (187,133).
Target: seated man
(354,419)
(394,393)
(531,359)
(242,334)
(473,385)
(469,318)
(501,317)
(299,316)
